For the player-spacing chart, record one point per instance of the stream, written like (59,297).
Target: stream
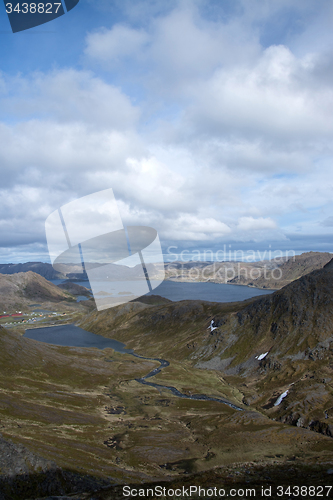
(73,336)
(164,363)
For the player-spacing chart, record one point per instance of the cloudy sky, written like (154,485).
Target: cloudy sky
(210,119)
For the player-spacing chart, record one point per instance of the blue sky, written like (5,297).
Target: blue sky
(211,121)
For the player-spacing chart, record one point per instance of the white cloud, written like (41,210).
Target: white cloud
(60,155)
(70,96)
(271,100)
(192,228)
(251,224)
(109,46)
(174,49)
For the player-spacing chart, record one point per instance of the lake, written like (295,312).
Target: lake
(73,336)
(212,292)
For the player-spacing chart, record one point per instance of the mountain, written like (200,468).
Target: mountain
(19,290)
(287,271)
(283,342)
(272,274)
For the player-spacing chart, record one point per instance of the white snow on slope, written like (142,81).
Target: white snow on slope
(279,399)
(262,356)
(212,328)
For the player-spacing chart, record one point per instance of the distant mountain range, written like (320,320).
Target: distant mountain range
(74,271)
(271,274)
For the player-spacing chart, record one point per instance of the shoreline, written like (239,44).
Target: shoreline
(222,283)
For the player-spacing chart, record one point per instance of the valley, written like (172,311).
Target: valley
(77,419)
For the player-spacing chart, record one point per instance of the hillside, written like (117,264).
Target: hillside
(73,420)
(19,290)
(74,289)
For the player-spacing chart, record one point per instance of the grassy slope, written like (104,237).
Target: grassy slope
(19,290)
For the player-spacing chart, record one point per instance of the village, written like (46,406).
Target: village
(8,319)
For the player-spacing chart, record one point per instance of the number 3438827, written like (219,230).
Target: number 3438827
(33,8)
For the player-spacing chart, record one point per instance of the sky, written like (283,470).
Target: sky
(211,120)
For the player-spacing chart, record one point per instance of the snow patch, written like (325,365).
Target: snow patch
(212,328)
(279,399)
(262,356)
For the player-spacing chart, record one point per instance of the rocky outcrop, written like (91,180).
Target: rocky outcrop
(23,474)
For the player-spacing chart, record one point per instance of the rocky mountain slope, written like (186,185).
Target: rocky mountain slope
(74,289)
(287,271)
(19,290)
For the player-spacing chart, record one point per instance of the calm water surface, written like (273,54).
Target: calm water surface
(73,336)
(212,292)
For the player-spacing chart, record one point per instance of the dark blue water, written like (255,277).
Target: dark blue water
(73,336)
(80,298)
(212,292)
